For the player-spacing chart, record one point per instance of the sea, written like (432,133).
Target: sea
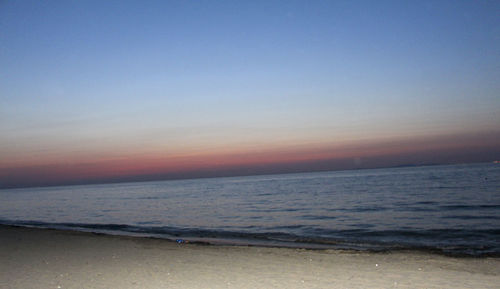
(448,209)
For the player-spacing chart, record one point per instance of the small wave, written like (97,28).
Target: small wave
(469,217)
(317,217)
(415,209)
(270,210)
(360,209)
(469,207)
(149,223)
(426,203)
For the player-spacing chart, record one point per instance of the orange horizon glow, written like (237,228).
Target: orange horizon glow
(257,159)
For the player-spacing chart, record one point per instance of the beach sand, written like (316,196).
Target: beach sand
(43,258)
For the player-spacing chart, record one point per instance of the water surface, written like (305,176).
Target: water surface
(451,209)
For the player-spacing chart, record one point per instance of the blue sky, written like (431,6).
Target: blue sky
(83,81)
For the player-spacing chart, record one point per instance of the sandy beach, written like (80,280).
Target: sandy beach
(42,258)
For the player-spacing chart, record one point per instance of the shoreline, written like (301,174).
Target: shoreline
(207,237)
(49,258)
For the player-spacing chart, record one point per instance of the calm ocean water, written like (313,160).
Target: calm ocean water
(450,209)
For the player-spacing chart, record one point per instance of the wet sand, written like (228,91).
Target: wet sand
(42,258)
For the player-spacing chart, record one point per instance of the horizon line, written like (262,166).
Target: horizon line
(165,179)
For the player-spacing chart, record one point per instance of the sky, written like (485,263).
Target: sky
(104,91)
